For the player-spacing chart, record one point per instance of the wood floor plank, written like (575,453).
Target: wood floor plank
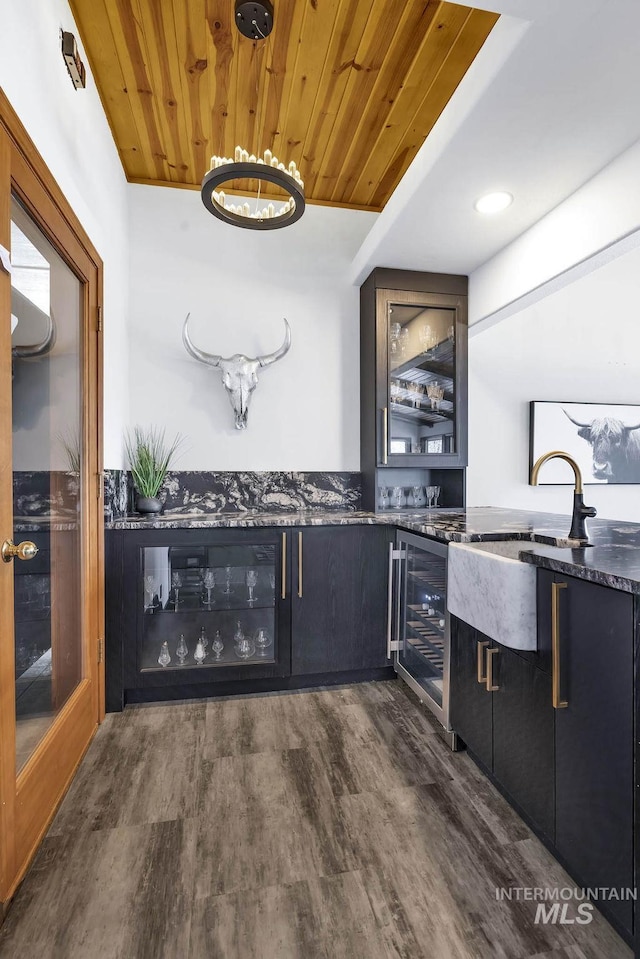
(325,918)
(142,767)
(117,894)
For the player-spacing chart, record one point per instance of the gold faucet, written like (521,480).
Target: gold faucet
(580,511)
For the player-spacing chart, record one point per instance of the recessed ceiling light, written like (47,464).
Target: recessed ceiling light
(493,202)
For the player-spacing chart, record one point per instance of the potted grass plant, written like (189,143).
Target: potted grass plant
(150,456)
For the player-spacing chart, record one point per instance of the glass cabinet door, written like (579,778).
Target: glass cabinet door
(207,606)
(422,393)
(424,621)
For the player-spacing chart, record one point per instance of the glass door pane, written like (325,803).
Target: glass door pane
(46,315)
(208,606)
(422,400)
(424,619)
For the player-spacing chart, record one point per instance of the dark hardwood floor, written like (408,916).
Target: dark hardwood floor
(327,824)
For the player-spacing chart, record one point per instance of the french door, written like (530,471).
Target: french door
(51,594)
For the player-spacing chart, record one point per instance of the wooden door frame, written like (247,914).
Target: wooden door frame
(22,167)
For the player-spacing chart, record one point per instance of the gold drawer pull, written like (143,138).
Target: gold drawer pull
(480,654)
(558,703)
(491,688)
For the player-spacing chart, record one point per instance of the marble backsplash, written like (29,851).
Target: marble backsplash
(187,491)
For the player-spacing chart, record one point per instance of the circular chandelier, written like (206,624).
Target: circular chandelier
(254,20)
(266,169)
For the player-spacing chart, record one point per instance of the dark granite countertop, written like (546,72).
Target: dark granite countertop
(613,560)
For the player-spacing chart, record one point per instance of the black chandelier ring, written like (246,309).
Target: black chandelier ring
(253,171)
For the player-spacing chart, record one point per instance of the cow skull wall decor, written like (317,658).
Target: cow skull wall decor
(239,372)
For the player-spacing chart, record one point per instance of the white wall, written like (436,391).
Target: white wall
(581,343)
(238,285)
(70,130)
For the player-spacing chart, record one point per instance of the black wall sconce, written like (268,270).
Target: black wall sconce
(75,66)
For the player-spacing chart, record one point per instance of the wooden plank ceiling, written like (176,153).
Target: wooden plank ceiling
(349,89)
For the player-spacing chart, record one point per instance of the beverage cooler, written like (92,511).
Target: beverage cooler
(418,624)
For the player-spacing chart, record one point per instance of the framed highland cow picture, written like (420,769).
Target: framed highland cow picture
(603,438)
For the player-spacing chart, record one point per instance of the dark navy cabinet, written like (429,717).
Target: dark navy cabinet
(288,608)
(555,729)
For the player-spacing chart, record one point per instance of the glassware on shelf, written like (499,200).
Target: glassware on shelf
(430,496)
(262,641)
(217,646)
(410,500)
(394,331)
(397,497)
(428,338)
(403,341)
(244,646)
(150,586)
(436,495)
(252,581)
(203,637)
(383,497)
(182,650)
(227,580)
(164,658)
(419,496)
(272,581)
(176,583)
(200,653)
(209,581)
(435,392)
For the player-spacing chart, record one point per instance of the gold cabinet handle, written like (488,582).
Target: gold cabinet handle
(558,703)
(300,564)
(25,550)
(385,429)
(480,654)
(283,594)
(491,688)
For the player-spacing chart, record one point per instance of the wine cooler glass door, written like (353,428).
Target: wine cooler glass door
(423,651)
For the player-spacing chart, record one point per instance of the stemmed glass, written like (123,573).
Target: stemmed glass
(182,650)
(217,646)
(262,641)
(176,582)
(252,580)
(436,495)
(150,590)
(209,581)
(244,645)
(227,580)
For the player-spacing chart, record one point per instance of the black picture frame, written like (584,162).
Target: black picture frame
(603,438)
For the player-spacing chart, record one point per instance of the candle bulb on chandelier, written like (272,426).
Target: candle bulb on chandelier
(267,157)
(238,154)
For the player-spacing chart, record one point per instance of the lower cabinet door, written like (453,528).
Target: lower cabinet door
(594,738)
(339,598)
(470,703)
(523,737)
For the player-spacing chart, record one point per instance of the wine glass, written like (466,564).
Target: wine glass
(200,653)
(262,641)
(217,646)
(176,582)
(436,495)
(150,590)
(209,581)
(244,646)
(227,580)
(252,580)
(272,581)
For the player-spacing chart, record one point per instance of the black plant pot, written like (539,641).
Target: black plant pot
(148,504)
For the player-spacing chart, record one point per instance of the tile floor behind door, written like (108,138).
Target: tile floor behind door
(329,824)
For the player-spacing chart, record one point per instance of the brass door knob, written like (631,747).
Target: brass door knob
(24,550)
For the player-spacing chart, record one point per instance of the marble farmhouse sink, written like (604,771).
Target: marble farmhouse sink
(492,590)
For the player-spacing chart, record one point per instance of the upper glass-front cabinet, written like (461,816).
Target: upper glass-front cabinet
(422,396)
